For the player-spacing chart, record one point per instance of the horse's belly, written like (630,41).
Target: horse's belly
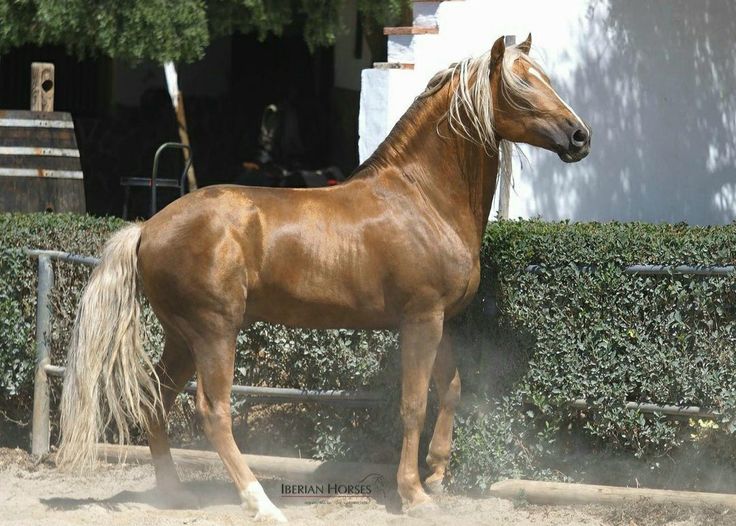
(320,294)
(324,310)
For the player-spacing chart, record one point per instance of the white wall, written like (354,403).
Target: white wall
(656,79)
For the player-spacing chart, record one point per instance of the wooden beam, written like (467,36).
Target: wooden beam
(181,120)
(287,468)
(42,86)
(537,492)
(411,30)
(392,65)
(41,428)
(177,101)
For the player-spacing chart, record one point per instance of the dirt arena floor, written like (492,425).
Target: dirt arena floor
(37,494)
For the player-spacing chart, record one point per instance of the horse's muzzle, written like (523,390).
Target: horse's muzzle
(573,156)
(579,145)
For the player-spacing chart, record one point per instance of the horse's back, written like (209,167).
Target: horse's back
(285,251)
(346,256)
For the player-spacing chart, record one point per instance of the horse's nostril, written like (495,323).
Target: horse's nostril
(579,138)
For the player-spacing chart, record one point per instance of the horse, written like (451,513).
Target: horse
(395,247)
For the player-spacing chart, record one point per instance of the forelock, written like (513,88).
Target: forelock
(513,85)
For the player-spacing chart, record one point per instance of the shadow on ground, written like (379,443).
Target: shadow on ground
(200,494)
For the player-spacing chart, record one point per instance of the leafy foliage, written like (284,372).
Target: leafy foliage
(134,30)
(16,323)
(384,13)
(163,30)
(600,335)
(18,274)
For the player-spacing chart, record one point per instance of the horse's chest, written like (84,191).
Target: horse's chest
(465,295)
(446,276)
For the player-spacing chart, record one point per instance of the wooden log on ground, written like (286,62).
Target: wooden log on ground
(286,468)
(536,492)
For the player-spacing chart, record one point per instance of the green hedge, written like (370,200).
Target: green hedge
(604,336)
(526,346)
(78,234)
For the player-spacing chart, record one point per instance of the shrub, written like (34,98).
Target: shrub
(76,234)
(601,335)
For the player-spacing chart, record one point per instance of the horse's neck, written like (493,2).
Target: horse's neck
(456,177)
(482,184)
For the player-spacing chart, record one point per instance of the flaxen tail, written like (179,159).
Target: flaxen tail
(109,378)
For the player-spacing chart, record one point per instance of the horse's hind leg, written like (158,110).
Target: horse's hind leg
(214,357)
(447,381)
(173,369)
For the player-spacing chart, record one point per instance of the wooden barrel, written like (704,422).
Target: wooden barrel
(39,163)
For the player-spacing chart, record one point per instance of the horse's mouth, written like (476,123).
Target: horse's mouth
(573,157)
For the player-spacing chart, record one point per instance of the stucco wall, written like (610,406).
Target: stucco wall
(656,79)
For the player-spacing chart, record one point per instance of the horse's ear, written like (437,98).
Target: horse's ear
(526,45)
(497,50)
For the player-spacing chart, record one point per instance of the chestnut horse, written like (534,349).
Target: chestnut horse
(397,247)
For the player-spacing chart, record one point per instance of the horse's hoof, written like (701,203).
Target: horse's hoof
(270,514)
(423,510)
(434,487)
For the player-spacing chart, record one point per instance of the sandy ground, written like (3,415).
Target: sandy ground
(38,494)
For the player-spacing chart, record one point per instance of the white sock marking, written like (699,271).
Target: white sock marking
(256,500)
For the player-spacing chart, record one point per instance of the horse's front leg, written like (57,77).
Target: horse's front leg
(447,381)
(419,341)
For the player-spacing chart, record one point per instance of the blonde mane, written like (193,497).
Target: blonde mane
(470,112)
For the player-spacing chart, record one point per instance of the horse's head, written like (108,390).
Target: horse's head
(527,108)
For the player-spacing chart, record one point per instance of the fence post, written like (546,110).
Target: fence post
(42,86)
(41,429)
